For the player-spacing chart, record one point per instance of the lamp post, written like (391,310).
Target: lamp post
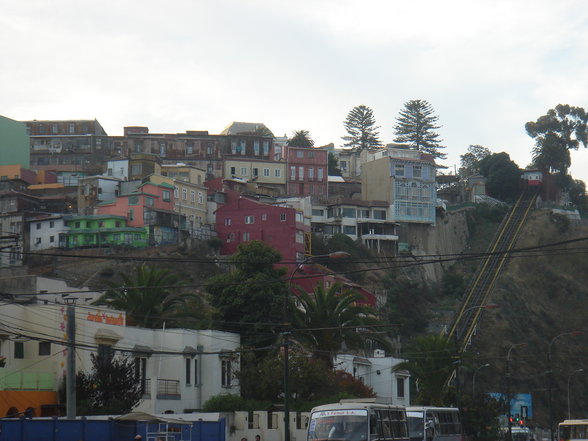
(569,378)
(550,379)
(286,333)
(508,384)
(474,379)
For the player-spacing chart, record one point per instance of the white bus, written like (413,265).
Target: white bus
(358,420)
(572,430)
(434,423)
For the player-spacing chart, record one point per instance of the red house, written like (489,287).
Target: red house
(306,171)
(242,219)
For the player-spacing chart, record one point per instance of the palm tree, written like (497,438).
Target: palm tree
(149,297)
(430,362)
(329,319)
(301,138)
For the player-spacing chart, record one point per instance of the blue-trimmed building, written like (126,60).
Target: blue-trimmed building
(404,178)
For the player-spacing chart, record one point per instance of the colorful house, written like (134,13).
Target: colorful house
(151,206)
(242,219)
(95,231)
(307,172)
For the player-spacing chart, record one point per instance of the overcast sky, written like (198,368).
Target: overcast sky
(486,67)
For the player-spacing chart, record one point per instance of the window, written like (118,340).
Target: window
(52,239)
(256,147)
(348,212)
(349,229)
(38,225)
(44,348)
(417,171)
(265,148)
(292,172)
(252,420)
(189,148)
(233,171)
(227,221)
(320,174)
(19,349)
(400,387)
(141,371)
(310,154)
(311,173)
(54,129)
(246,236)
(166,195)
(300,154)
(249,219)
(78,224)
(226,373)
(184,194)
(196,383)
(133,200)
(399,170)
(72,128)
(192,196)
(200,197)
(266,172)
(188,370)
(117,224)
(300,173)
(255,172)
(318,212)
(176,192)
(162,149)
(264,217)
(299,237)
(277,173)
(149,201)
(131,214)
(282,217)
(51,224)
(380,214)
(244,171)
(101,224)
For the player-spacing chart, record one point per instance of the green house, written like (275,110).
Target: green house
(102,230)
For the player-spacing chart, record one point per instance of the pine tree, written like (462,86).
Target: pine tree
(416,127)
(360,125)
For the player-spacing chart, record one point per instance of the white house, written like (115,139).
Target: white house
(44,231)
(378,372)
(179,369)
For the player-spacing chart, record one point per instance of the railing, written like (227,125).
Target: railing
(168,389)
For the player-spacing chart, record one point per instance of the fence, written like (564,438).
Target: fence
(84,429)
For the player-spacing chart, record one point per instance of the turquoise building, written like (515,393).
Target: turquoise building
(14,143)
(102,230)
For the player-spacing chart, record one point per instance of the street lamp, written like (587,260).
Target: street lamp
(474,378)
(550,379)
(286,333)
(569,378)
(508,384)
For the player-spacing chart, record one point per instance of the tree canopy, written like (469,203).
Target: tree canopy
(110,388)
(301,138)
(150,296)
(470,161)
(250,299)
(330,318)
(417,125)
(430,361)
(361,128)
(333,165)
(502,176)
(556,133)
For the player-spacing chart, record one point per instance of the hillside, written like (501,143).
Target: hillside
(540,296)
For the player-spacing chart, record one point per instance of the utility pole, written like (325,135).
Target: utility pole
(70,386)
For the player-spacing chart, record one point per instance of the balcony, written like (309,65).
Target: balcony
(168,389)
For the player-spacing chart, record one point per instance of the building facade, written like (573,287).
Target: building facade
(14,143)
(307,172)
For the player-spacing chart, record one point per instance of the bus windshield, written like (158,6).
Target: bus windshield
(416,426)
(573,430)
(343,424)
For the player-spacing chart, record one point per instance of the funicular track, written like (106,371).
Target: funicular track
(479,290)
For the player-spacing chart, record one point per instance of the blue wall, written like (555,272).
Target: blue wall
(102,430)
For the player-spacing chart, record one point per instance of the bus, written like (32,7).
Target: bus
(572,430)
(521,433)
(358,420)
(427,423)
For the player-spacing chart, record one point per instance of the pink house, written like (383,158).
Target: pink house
(306,171)
(242,219)
(151,206)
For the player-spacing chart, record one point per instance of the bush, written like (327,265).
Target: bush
(231,403)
